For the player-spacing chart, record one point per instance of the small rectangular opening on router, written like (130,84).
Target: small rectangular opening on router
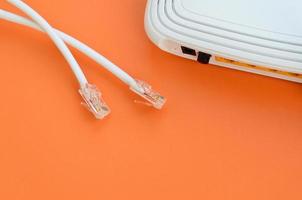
(188,51)
(204,58)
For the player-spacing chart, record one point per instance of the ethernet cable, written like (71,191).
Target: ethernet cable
(139,87)
(90,94)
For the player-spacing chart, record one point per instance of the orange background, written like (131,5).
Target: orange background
(223,134)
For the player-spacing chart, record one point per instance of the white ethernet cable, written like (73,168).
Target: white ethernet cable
(90,94)
(141,88)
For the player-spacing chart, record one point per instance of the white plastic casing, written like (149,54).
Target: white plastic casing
(261,33)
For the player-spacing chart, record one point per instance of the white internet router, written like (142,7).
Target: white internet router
(259,36)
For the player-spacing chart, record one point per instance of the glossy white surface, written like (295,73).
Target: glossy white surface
(271,15)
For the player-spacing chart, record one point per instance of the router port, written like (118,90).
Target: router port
(188,51)
(204,58)
(256,67)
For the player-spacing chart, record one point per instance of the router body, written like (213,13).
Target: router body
(263,37)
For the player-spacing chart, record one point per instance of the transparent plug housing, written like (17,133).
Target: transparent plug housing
(152,97)
(93,101)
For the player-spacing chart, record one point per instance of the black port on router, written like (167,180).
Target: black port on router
(203,58)
(188,51)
